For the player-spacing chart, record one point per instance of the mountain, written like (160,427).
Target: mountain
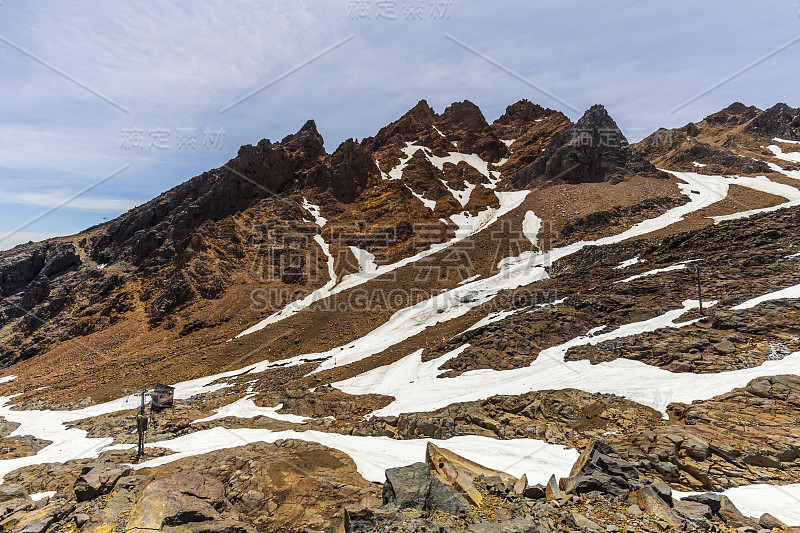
(501,287)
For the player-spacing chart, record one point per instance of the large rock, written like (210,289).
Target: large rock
(461,472)
(650,501)
(601,469)
(38,521)
(767,521)
(414,487)
(694,512)
(516,525)
(12,491)
(367,520)
(723,507)
(98,479)
(187,498)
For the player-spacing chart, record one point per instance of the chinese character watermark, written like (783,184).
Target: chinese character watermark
(184,139)
(412,10)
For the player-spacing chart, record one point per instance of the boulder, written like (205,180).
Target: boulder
(517,525)
(414,487)
(663,490)
(732,516)
(11,491)
(461,472)
(650,502)
(185,498)
(767,521)
(98,479)
(695,512)
(711,499)
(697,448)
(534,492)
(583,523)
(725,347)
(601,468)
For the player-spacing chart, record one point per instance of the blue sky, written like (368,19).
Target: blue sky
(96,88)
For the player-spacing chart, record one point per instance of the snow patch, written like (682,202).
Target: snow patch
(373,455)
(789,292)
(246,408)
(531,225)
(629,262)
(794,157)
(634,380)
(366,260)
(314,210)
(679,266)
(794,174)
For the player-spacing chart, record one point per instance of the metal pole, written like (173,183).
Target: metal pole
(699,292)
(141,427)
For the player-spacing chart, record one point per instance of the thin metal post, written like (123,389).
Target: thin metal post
(699,292)
(141,427)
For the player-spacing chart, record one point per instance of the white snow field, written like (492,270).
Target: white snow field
(794,174)
(793,157)
(466,225)
(788,292)
(414,384)
(373,455)
(678,266)
(416,387)
(781,501)
(629,262)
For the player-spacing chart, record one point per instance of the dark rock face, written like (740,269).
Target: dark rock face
(593,150)
(518,118)
(350,170)
(601,469)
(41,261)
(735,114)
(98,479)
(474,133)
(151,235)
(414,487)
(779,121)
(406,128)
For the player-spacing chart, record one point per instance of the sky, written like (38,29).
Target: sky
(107,104)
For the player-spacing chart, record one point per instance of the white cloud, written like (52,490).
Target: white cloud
(96,204)
(22,237)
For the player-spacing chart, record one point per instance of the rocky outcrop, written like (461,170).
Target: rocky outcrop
(413,487)
(187,499)
(98,479)
(593,150)
(600,468)
(779,121)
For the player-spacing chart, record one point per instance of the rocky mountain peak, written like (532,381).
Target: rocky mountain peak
(779,120)
(592,150)
(346,173)
(519,117)
(422,112)
(307,139)
(735,114)
(464,115)
(602,127)
(405,129)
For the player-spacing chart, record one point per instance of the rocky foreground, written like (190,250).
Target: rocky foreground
(299,486)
